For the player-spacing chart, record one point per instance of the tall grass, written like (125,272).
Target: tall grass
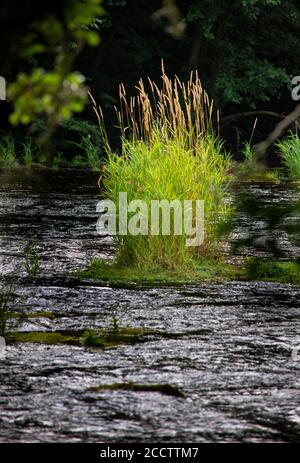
(289,149)
(13,153)
(27,154)
(92,154)
(169,152)
(248,166)
(179,110)
(8,158)
(167,170)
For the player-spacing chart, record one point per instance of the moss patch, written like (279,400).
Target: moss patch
(166,389)
(202,271)
(101,338)
(268,176)
(40,337)
(110,338)
(207,270)
(279,272)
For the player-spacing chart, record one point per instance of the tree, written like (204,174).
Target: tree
(58,91)
(246,50)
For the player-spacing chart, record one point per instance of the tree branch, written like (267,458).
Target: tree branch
(280,128)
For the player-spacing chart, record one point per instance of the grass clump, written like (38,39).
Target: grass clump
(92,154)
(166,170)
(58,160)
(32,263)
(106,338)
(274,271)
(249,165)
(169,152)
(8,158)
(27,153)
(14,154)
(289,149)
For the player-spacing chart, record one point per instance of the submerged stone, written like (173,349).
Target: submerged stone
(166,389)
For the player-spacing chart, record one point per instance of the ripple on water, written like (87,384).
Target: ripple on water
(227,347)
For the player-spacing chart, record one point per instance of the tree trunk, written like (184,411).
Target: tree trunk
(280,128)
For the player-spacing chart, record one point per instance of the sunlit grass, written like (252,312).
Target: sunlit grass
(289,149)
(165,169)
(169,151)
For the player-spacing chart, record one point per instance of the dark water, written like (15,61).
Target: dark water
(228,348)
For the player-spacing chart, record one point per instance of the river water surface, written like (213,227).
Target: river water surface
(228,347)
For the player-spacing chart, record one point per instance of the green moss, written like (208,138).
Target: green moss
(201,270)
(279,272)
(289,149)
(40,337)
(166,389)
(263,177)
(109,338)
(103,338)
